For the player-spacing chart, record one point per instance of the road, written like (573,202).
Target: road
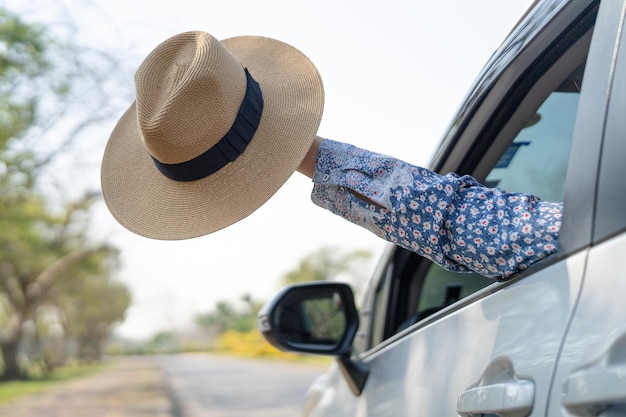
(198,385)
(128,387)
(217,386)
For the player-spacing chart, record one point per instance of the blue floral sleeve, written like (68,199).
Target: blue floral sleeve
(452,220)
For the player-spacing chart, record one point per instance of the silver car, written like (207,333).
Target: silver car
(547,116)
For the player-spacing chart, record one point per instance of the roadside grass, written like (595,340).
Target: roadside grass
(11,390)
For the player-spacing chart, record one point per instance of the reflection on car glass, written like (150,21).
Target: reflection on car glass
(509,154)
(536,162)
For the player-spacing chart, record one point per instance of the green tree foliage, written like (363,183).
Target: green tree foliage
(44,249)
(326,319)
(327,264)
(91,302)
(324,264)
(163,342)
(227,316)
(22,60)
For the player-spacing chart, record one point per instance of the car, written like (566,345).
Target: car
(547,116)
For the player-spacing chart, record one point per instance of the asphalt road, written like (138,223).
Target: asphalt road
(216,386)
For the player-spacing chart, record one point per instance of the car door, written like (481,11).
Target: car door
(591,376)
(438,343)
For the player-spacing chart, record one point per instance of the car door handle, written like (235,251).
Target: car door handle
(509,399)
(499,391)
(600,385)
(592,391)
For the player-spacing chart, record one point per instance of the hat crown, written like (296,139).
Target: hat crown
(189,90)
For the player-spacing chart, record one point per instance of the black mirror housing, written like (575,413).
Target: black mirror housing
(316,317)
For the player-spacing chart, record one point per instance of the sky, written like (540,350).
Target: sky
(394,74)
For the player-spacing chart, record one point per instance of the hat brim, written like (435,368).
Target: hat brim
(149,204)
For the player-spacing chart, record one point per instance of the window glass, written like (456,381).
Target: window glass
(536,161)
(442,288)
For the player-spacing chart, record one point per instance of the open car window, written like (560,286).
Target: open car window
(529,153)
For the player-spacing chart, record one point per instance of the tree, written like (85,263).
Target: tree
(91,310)
(26,286)
(226,316)
(47,260)
(91,302)
(41,239)
(329,264)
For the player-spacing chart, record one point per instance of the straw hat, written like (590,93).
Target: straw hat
(214,132)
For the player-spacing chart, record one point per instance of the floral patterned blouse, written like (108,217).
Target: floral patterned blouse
(452,220)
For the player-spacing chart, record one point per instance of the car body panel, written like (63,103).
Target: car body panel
(596,340)
(424,372)
(591,374)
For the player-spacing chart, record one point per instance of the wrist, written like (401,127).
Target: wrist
(307,166)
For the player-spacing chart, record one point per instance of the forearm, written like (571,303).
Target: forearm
(307,166)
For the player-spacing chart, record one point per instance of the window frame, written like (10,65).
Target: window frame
(611,196)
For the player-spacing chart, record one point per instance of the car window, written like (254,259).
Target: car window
(532,159)
(536,161)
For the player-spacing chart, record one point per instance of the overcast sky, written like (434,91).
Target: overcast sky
(394,74)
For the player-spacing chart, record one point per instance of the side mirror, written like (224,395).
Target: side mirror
(319,318)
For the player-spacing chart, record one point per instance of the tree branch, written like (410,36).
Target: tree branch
(47,276)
